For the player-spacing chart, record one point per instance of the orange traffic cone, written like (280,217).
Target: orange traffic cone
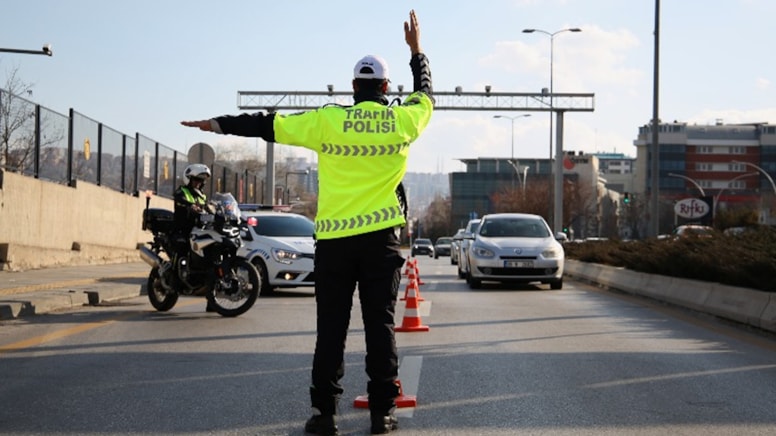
(417,272)
(407,266)
(412,281)
(411,321)
(362,401)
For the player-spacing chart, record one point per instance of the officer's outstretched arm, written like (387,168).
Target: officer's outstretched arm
(258,125)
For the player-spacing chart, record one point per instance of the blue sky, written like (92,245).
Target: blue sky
(143,66)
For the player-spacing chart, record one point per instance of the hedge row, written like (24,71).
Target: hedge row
(745,260)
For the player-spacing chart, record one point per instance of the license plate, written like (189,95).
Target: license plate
(518,264)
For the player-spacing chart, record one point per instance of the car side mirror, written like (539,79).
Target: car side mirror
(561,237)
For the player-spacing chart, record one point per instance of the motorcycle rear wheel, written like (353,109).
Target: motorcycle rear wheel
(160,298)
(243,276)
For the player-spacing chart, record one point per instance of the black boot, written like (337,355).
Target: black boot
(325,407)
(383,422)
(323,425)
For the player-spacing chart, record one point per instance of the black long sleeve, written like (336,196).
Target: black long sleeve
(421,74)
(254,125)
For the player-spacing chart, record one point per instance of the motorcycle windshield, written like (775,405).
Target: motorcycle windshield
(226,206)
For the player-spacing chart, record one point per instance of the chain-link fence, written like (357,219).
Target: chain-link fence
(41,143)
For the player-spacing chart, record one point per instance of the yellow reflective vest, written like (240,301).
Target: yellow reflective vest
(191,197)
(362,157)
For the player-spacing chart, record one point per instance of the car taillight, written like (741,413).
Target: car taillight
(252,221)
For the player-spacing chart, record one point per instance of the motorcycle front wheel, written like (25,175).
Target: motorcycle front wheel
(162,299)
(237,291)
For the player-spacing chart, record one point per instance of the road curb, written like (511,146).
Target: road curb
(40,302)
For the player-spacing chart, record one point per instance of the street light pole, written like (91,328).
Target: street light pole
(765,173)
(697,185)
(558,191)
(525,178)
(512,119)
(512,155)
(46,50)
(719,194)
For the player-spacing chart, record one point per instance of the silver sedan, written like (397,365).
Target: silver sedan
(513,247)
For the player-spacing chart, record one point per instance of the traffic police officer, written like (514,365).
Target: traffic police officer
(189,199)
(190,202)
(362,158)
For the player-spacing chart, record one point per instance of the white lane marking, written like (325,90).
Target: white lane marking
(409,375)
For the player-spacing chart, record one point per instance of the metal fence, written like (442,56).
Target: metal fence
(41,143)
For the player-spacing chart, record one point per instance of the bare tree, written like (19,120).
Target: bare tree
(16,123)
(436,221)
(239,157)
(18,132)
(529,199)
(580,203)
(585,210)
(632,216)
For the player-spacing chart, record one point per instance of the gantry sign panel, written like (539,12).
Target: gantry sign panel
(559,103)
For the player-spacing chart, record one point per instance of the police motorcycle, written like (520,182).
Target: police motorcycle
(210,269)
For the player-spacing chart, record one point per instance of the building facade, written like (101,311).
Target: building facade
(593,211)
(732,164)
(471,192)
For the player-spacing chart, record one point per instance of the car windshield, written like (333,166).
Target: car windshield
(442,241)
(514,227)
(283,225)
(422,242)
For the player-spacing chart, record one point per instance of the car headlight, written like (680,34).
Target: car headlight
(552,253)
(482,252)
(285,256)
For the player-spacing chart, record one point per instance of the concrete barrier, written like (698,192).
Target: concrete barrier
(628,280)
(739,304)
(683,292)
(744,305)
(46,224)
(768,317)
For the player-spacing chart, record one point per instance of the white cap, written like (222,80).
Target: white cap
(371,67)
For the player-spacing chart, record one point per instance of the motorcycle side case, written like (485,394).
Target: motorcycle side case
(158,220)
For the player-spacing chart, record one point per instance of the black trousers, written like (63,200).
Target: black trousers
(373,261)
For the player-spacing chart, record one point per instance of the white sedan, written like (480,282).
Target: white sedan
(514,247)
(281,247)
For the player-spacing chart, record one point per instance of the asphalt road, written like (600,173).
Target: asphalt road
(503,360)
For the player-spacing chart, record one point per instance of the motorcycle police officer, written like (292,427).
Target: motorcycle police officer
(362,158)
(190,202)
(189,199)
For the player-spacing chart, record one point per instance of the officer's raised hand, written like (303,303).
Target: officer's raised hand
(412,33)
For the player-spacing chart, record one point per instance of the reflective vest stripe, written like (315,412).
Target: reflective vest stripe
(363,150)
(333,225)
